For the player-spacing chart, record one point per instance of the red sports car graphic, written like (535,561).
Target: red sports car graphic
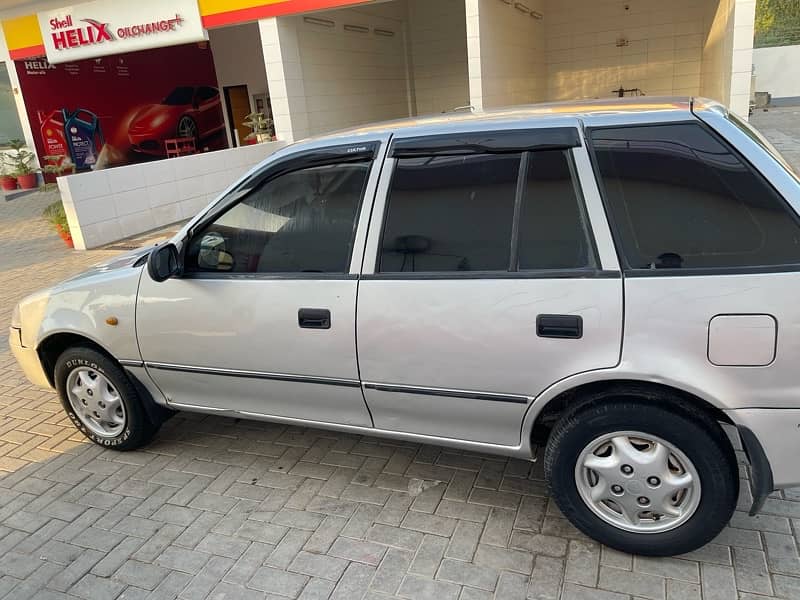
(186,112)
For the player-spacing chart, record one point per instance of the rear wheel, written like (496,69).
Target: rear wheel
(653,479)
(101,400)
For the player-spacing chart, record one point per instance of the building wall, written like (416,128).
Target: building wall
(715,79)
(229,46)
(438,49)
(350,77)
(772,74)
(508,48)
(661,55)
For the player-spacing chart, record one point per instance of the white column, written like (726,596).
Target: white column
(744,12)
(285,77)
(474,67)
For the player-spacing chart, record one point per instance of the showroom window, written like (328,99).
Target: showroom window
(680,198)
(10,128)
(300,222)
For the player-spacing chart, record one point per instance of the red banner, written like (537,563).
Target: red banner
(126,108)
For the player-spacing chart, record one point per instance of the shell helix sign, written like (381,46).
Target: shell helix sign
(101,28)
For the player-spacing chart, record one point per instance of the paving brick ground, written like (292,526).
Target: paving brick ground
(224,509)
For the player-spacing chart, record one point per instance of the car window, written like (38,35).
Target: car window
(553,229)
(179,96)
(206,93)
(299,222)
(680,198)
(450,213)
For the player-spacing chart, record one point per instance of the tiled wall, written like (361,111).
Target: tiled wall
(109,205)
(438,47)
(594,47)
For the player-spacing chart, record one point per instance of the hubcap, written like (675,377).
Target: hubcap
(637,482)
(96,402)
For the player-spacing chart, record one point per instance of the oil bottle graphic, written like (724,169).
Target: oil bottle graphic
(52,129)
(84,137)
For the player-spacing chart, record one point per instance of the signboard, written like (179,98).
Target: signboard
(107,27)
(123,109)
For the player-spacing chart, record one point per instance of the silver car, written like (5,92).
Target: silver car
(610,281)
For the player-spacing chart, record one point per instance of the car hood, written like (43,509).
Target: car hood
(121,261)
(154,115)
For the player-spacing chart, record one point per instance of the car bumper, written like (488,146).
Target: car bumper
(28,359)
(771,438)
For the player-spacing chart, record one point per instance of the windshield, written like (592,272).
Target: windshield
(179,96)
(759,139)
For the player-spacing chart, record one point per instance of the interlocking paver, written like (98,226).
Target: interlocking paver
(216,508)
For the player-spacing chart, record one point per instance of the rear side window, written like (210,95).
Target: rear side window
(680,198)
(450,213)
(468,213)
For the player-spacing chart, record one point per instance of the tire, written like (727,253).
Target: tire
(700,447)
(134,428)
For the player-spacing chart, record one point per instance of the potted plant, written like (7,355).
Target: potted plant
(56,216)
(20,159)
(261,127)
(55,165)
(7,181)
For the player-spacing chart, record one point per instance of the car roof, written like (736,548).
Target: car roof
(572,113)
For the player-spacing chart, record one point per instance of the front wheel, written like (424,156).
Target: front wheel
(101,401)
(645,478)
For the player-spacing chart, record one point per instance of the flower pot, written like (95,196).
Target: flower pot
(59,229)
(8,183)
(68,241)
(28,181)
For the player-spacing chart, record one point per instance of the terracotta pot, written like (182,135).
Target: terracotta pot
(28,181)
(8,183)
(59,229)
(68,241)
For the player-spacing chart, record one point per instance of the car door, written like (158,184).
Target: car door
(490,274)
(262,320)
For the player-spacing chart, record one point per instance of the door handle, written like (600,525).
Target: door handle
(559,326)
(314,318)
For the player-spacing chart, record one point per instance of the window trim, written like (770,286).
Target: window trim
(629,271)
(513,272)
(319,157)
(504,141)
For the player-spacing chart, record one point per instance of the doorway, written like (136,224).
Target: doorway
(237,101)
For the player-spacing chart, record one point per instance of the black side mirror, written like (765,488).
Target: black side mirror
(164,262)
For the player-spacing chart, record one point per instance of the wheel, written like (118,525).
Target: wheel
(654,477)
(187,128)
(101,400)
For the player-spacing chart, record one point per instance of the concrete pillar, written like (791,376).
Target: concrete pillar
(744,12)
(285,77)
(474,66)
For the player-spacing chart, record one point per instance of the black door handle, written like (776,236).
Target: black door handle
(314,318)
(560,326)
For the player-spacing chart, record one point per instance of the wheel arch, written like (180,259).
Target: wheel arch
(540,423)
(51,347)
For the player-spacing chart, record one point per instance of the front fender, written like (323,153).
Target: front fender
(82,306)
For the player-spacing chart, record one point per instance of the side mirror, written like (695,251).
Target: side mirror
(163,262)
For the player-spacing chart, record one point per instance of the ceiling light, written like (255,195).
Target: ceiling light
(316,21)
(384,32)
(356,28)
(521,7)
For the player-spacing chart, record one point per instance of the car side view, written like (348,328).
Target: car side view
(613,283)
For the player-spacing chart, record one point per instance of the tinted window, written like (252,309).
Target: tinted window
(553,232)
(680,199)
(300,222)
(179,96)
(450,213)
(206,93)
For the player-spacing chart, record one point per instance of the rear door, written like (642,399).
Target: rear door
(489,275)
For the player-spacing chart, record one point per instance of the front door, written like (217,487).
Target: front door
(263,319)
(488,285)
(237,101)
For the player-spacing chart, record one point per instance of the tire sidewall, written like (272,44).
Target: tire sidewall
(718,493)
(73,359)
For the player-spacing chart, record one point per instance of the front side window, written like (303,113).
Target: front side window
(680,198)
(300,222)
